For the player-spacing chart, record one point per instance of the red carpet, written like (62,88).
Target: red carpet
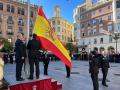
(42,84)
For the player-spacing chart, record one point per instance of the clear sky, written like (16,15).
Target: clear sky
(66,6)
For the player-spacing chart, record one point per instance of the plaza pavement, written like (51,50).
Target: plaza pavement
(80,77)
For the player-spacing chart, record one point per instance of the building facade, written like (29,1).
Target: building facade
(91,19)
(62,27)
(13,18)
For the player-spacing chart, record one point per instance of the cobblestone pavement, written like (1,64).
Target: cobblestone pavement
(80,77)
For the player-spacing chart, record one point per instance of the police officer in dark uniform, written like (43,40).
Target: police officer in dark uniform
(20,54)
(104,66)
(94,68)
(33,53)
(46,61)
(68,70)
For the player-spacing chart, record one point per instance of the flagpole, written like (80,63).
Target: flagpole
(28,21)
(26,67)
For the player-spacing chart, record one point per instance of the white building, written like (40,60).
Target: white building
(92,18)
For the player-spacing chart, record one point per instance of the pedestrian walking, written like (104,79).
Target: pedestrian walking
(20,54)
(94,68)
(104,66)
(33,53)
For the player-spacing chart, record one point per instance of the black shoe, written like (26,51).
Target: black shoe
(67,76)
(105,85)
(37,77)
(3,86)
(30,78)
(19,79)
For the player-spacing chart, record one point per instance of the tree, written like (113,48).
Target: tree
(7,46)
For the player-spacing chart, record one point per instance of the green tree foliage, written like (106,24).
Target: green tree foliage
(7,46)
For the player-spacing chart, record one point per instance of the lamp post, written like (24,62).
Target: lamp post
(115,36)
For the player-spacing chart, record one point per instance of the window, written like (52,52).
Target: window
(19,10)
(20,21)
(12,9)
(100,29)
(109,17)
(110,39)
(101,40)
(22,11)
(110,28)
(10,29)
(118,4)
(20,29)
(83,34)
(93,12)
(94,31)
(89,23)
(53,22)
(109,7)
(8,8)
(58,22)
(89,32)
(95,41)
(94,22)
(31,14)
(58,29)
(82,26)
(82,17)
(100,21)
(1,6)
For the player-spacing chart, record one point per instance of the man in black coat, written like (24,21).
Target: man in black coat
(33,53)
(20,53)
(104,66)
(94,68)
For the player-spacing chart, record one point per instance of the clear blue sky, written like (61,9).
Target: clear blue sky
(66,6)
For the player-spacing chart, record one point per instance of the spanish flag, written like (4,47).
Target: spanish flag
(49,39)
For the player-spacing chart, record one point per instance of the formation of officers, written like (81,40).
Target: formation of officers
(97,61)
(34,55)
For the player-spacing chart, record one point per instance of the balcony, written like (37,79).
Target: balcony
(10,33)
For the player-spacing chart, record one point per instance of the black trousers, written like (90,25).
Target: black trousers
(67,70)
(104,72)
(46,68)
(32,62)
(95,81)
(19,65)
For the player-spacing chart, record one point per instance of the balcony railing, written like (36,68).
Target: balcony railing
(10,33)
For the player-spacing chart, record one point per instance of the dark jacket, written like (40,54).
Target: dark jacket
(94,63)
(20,49)
(34,46)
(104,62)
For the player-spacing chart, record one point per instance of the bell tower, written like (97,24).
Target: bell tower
(57,11)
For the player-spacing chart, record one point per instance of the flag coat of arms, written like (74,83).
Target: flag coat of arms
(48,38)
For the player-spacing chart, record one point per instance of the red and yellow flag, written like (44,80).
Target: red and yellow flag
(49,39)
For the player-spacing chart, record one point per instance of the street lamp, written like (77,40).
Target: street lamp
(115,36)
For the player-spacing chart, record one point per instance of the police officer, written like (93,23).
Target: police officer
(20,50)
(46,61)
(94,68)
(104,66)
(33,53)
(68,71)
